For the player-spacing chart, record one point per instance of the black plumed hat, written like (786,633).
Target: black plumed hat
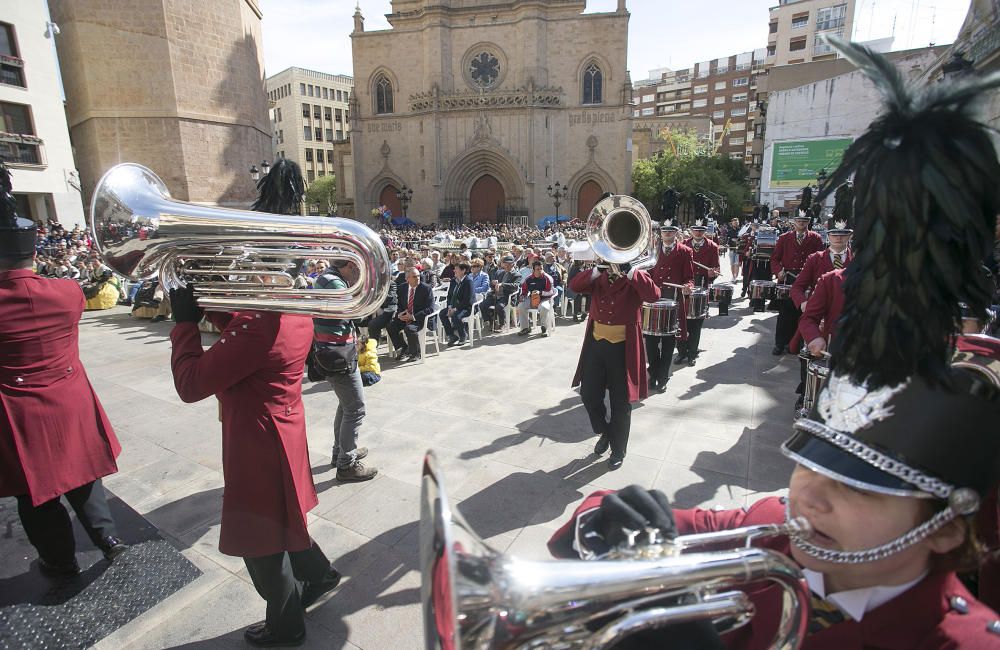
(843,210)
(17,235)
(281,190)
(895,416)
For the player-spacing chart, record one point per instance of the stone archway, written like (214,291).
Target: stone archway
(484,198)
(586,198)
(387,197)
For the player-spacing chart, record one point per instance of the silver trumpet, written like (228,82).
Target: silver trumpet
(620,230)
(477,598)
(238,259)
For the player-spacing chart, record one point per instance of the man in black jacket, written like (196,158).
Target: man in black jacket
(503,283)
(380,319)
(459,305)
(416,303)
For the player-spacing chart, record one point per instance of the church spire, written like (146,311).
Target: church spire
(359,20)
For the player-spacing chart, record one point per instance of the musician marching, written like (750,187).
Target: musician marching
(674,275)
(705,257)
(787,260)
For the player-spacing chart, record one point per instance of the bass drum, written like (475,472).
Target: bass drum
(660,318)
(697,304)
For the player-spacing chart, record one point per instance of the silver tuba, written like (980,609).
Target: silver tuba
(477,598)
(619,230)
(238,259)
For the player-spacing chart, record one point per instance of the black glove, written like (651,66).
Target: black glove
(183,305)
(634,508)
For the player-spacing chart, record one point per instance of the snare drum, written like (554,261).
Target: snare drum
(765,241)
(763,289)
(660,318)
(783,292)
(817,372)
(721,291)
(697,304)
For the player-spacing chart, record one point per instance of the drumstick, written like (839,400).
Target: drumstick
(675,286)
(707,268)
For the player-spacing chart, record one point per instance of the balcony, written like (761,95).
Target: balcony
(20,149)
(833,23)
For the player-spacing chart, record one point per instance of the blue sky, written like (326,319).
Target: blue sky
(662,33)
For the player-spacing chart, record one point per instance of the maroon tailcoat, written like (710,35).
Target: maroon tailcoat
(823,311)
(618,303)
(817,264)
(54,434)
(255,369)
(790,255)
(920,618)
(675,268)
(708,255)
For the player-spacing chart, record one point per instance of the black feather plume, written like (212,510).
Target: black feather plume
(843,204)
(281,190)
(807,198)
(8,204)
(926,198)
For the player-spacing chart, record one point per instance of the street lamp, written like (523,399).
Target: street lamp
(264,167)
(558,193)
(404,195)
(254,173)
(956,67)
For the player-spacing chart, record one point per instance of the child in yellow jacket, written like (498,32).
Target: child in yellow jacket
(368,364)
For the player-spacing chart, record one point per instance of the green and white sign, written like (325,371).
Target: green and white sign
(796,163)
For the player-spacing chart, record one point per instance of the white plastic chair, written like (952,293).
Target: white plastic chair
(474,319)
(422,340)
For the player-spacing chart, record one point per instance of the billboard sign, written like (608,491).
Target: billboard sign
(796,163)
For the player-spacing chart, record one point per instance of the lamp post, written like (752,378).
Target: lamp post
(404,195)
(558,192)
(255,173)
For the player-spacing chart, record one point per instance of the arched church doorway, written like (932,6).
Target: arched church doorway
(387,197)
(486,194)
(590,192)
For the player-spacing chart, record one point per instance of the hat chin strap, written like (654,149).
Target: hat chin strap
(959,503)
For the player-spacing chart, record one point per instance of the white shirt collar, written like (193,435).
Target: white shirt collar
(857,602)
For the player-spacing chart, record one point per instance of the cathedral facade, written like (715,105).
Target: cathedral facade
(478,106)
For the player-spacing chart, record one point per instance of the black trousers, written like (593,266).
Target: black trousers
(276,578)
(396,328)
(788,321)
(659,353)
(379,323)
(604,370)
(493,307)
(689,348)
(50,530)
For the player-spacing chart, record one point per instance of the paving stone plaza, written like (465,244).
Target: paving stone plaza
(514,443)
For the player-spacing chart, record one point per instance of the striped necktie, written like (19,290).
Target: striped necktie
(409,302)
(838,263)
(823,614)
(800,237)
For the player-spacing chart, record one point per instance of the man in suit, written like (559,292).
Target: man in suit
(503,283)
(459,305)
(416,302)
(55,439)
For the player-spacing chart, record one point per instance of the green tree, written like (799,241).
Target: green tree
(323,192)
(688,164)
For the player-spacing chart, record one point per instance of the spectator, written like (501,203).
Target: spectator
(505,282)
(536,293)
(416,303)
(459,305)
(480,281)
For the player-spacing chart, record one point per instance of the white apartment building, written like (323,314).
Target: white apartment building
(34,137)
(796,27)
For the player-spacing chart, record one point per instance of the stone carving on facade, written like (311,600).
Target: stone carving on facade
(484,132)
(434,99)
(385,150)
(592,146)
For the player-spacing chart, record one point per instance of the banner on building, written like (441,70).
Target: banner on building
(796,163)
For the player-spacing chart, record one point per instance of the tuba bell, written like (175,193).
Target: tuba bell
(620,230)
(238,259)
(477,598)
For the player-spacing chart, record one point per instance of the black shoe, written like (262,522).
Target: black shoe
(58,570)
(524,332)
(452,341)
(615,461)
(400,353)
(463,340)
(413,357)
(778,351)
(157,319)
(261,636)
(545,331)
(691,361)
(112,547)
(680,358)
(313,591)
(653,384)
(602,445)
(661,386)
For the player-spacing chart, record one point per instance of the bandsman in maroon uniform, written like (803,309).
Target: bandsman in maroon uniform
(613,359)
(822,316)
(673,266)
(55,439)
(901,446)
(705,259)
(787,260)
